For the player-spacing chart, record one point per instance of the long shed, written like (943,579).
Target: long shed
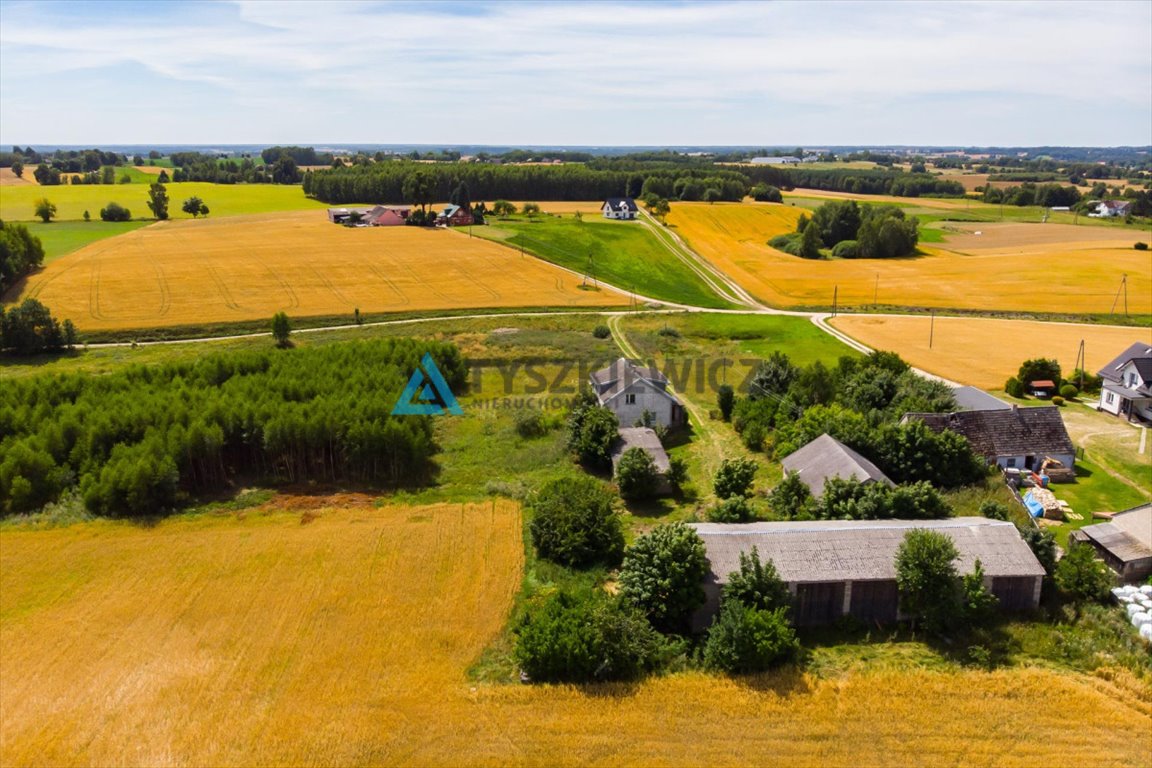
(837,568)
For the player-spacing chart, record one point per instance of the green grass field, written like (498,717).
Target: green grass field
(16,203)
(622,253)
(63,237)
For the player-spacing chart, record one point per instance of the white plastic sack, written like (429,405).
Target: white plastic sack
(1142,619)
(1146,589)
(1146,632)
(1133,609)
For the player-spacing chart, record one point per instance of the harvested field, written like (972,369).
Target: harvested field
(10,179)
(1079,273)
(246,268)
(986,352)
(340,635)
(154,170)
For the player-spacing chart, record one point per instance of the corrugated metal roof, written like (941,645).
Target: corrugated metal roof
(862,550)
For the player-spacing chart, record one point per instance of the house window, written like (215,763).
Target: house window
(1012,462)
(630,399)
(1111,398)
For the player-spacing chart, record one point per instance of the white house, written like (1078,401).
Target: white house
(629,390)
(1107,209)
(619,208)
(1127,389)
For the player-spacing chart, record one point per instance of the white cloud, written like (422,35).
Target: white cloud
(658,71)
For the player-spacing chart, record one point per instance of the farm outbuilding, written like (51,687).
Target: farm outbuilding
(1020,438)
(648,441)
(1124,543)
(838,568)
(826,457)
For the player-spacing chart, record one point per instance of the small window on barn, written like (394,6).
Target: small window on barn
(630,399)
(1011,462)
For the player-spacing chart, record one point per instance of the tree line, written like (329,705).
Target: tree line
(30,329)
(857,181)
(146,439)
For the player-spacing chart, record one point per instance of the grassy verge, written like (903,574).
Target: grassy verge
(622,253)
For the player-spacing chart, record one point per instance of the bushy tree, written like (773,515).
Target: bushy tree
(772,377)
(194,207)
(503,208)
(745,640)
(734,478)
(885,233)
(45,209)
(281,329)
(1039,369)
(1069,391)
(810,243)
(586,637)
(21,252)
(574,523)
(1081,576)
(725,399)
(791,498)
(735,509)
(1014,387)
(1043,545)
(115,212)
(592,431)
(926,578)
(912,452)
(978,605)
(158,201)
(662,575)
(30,328)
(765,193)
(531,209)
(636,474)
(757,584)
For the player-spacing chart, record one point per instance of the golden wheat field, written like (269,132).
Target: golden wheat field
(250,267)
(986,352)
(1010,267)
(332,631)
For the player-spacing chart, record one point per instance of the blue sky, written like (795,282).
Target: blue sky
(617,73)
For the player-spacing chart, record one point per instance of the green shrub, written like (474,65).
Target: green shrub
(578,638)
(725,400)
(1081,576)
(745,640)
(1069,392)
(677,472)
(530,423)
(636,474)
(791,497)
(846,249)
(734,478)
(601,331)
(1042,542)
(1014,387)
(731,510)
(574,523)
(662,575)
(993,510)
(757,584)
(593,430)
(669,332)
(1057,400)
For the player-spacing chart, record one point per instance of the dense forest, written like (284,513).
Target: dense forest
(857,181)
(144,440)
(405,182)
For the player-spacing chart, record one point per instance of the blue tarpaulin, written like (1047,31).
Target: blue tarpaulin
(1035,508)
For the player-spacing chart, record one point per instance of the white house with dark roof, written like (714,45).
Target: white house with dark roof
(1108,209)
(837,568)
(623,208)
(629,390)
(1127,388)
(826,457)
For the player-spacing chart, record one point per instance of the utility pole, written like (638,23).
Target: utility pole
(1123,289)
(931,329)
(1080,363)
(835,291)
(876,292)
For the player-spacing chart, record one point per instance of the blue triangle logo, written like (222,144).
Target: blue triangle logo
(427,394)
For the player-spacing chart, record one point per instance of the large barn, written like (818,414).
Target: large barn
(839,568)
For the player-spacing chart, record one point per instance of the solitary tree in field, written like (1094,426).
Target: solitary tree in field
(18,169)
(531,209)
(45,209)
(503,208)
(194,206)
(281,328)
(158,201)
(658,207)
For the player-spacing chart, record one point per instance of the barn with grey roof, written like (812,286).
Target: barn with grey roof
(840,568)
(825,458)
(1124,542)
